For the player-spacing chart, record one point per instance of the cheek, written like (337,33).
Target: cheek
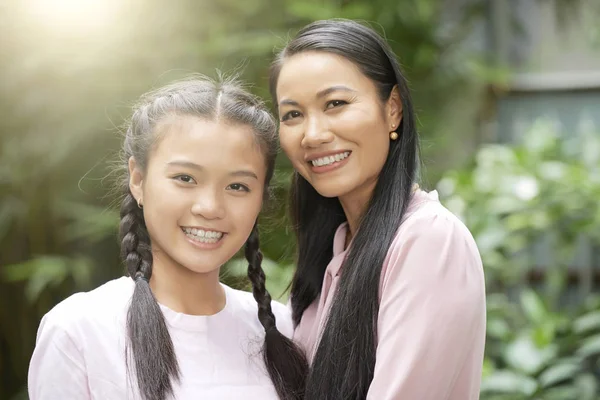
(290,140)
(244,212)
(164,196)
(377,151)
(291,145)
(374,141)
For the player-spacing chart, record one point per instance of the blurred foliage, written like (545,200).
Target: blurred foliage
(534,353)
(531,202)
(540,194)
(69,77)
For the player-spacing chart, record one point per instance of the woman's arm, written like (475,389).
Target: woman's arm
(431,322)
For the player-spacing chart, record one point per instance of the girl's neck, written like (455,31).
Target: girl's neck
(185,291)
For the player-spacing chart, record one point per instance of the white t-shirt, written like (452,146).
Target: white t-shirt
(80,349)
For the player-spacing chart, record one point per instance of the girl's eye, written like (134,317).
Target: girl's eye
(335,103)
(238,187)
(185,179)
(290,115)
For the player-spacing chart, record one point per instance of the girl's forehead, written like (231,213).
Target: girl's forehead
(207,142)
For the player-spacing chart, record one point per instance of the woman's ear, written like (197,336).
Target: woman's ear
(394,109)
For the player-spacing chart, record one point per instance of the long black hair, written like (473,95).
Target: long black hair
(344,362)
(150,351)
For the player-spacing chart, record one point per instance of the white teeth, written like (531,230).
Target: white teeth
(319,162)
(203,236)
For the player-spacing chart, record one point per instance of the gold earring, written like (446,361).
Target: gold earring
(393,135)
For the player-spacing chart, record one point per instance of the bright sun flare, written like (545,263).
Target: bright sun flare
(72,16)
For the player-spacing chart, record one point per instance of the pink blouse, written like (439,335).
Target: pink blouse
(432,315)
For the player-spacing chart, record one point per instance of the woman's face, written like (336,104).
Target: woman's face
(334,128)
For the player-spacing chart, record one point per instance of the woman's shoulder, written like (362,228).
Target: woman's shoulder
(430,241)
(427,217)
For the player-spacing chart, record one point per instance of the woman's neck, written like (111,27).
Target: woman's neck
(354,208)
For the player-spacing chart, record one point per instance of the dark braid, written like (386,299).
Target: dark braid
(285,363)
(257,277)
(149,346)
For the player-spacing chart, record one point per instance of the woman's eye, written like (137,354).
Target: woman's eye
(290,115)
(185,179)
(238,187)
(335,103)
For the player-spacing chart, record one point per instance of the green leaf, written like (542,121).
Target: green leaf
(552,170)
(505,204)
(588,387)
(498,328)
(533,306)
(488,367)
(563,392)
(279,276)
(523,355)
(491,238)
(587,322)
(509,382)
(590,347)
(558,373)
(544,334)
(47,271)
(542,137)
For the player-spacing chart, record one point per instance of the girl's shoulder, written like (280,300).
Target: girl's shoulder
(104,306)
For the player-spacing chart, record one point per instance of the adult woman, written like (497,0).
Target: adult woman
(399,311)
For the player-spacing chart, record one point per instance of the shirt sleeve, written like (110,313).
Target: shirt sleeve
(431,322)
(57,369)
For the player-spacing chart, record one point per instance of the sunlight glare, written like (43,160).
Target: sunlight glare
(73,16)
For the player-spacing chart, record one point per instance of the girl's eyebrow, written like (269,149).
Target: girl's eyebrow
(244,172)
(185,164)
(200,168)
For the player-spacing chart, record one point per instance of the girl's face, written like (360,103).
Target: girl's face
(334,127)
(201,193)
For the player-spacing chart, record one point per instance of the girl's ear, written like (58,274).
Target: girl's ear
(136,180)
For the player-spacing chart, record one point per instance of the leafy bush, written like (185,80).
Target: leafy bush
(536,204)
